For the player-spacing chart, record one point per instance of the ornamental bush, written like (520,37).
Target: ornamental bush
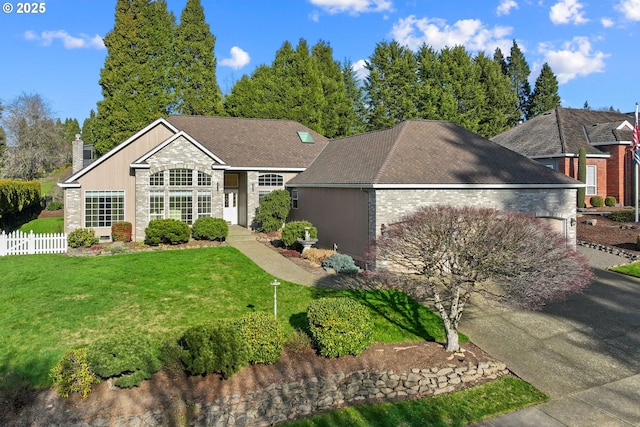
(610,201)
(317,256)
(264,335)
(273,210)
(596,201)
(168,231)
(121,231)
(214,347)
(626,215)
(207,228)
(130,358)
(341,263)
(82,238)
(54,206)
(340,326)
(72,374)
(294,230)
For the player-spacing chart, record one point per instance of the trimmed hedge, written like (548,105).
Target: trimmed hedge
(18,199)
(214,347)
(208,228)
(610,201)
(264,335)
(340,326)
(130,358)
(596,201)
(626,215)
(168,231)
(121,231)
(82,238)
(294,230)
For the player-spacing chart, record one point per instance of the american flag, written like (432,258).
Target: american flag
(635,146)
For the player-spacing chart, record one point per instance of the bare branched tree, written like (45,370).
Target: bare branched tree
(445,254)
(35,143)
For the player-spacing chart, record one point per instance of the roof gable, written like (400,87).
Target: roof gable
(425,152)
(142,161)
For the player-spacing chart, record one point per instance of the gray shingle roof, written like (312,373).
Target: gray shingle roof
(563,131)
(423,152)
(247,143)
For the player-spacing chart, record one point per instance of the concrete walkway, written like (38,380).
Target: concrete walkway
(584,353)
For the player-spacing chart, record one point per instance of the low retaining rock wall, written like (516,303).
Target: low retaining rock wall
(281,402)
(613,251)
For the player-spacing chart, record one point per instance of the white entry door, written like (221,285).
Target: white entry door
(230,210)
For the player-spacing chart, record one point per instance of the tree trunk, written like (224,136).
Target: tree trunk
(452,338)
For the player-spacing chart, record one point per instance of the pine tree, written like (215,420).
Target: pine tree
(518,71)
(356,96)
(195,70)
(433,102)
(545,94)
(136,86)
(71,128)
(498,58)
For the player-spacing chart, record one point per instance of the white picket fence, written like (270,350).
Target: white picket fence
(21,243)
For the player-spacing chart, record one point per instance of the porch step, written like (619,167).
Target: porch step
(239,234)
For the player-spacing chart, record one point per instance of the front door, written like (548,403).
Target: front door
(230,210)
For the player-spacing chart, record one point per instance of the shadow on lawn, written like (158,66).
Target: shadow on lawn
(395,307)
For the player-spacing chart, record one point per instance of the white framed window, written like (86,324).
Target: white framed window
(270,180)
(181,205)
(103,208)
(592,180)
(157,179)
(261,194)
(180,177)
(294,199)
(156,205)
(204,203)
(204,179)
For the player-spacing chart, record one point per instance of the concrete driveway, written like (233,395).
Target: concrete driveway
(584,353)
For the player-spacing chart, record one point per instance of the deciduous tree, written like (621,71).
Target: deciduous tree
(445,254)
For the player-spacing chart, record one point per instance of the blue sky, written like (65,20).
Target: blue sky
(591,45)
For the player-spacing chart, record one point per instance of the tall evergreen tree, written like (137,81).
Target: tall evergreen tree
(433,102)
(391,86)
(355,94)
(500,108)
(195,70)
(136,86)
(519,71)
(545,94)
(71,128)
(499,59)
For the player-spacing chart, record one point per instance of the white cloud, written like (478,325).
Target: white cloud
(353,7)
(630,9)
(567,12)
(573,59)
(46,38)
(239,58)
(505,7)
(607,22)
(360,70)
(472,33)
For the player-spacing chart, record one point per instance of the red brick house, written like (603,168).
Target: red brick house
(554,139)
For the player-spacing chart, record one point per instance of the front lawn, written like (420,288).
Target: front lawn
(632,269)
(52,303)
(44,225)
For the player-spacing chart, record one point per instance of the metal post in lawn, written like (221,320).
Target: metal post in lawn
(275,284)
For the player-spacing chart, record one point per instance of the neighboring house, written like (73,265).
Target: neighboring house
(361,184)
(554,139)
(186,167)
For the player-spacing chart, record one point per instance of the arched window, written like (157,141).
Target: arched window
(270,180)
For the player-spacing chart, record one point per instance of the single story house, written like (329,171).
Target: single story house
(186,167)
(361,184)
(555,137)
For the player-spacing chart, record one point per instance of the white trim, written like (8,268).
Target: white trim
(68,185)
(570,155)
(597,144)
(116,149)
(441,186)
(264,169)
(172,139)
(625,124)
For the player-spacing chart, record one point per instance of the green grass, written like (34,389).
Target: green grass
(632,269)
(44,225)
(456,409)
(52,303)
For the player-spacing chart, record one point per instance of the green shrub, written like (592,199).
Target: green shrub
(130,358)
(82,238)
(273,210)
(72,374)
(626,215)
(596,201)
(340,326)
(264,335)
(168,231)
(294,230)
(215,347)
(610,201)
(341,263)
(55,206)
(208,228)
(121,231)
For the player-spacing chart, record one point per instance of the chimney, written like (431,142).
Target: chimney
(77,154)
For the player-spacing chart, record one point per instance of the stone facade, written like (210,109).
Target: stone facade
(282,402)
(73,209)
(557,204)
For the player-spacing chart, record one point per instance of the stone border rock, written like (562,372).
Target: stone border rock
(283,402)
(608,249)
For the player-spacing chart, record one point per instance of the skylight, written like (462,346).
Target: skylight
(305,137)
